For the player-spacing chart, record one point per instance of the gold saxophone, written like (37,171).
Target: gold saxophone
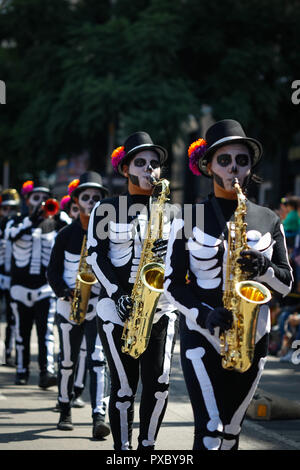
(84,280)
(243,297)
(148,284)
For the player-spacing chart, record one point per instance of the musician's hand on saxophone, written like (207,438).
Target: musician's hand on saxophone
(253,262)
(68,294)
(221,317)
(160,248)
(124,306)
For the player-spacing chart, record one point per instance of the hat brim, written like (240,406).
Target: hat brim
(83,186)
(9,203)
(253,143)
(162,152)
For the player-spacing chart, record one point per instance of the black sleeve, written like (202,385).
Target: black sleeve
(177,290)
(279,275)
(98,247)
(56,265)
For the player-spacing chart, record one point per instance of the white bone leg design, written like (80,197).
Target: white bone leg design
(65,374)
(50,336)
(164,378)
(100,372)
(123,407)
(215,423)
(161,398)
(235,425)
(125,390)
(19,347)
(66,327)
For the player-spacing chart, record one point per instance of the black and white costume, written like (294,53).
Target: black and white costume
(115,243)
(32,299)
(62,272)
(219,397)
(5,281)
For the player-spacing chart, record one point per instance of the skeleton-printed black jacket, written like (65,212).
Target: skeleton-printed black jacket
(63,267)
(197,251)
(116,234)
(31,249)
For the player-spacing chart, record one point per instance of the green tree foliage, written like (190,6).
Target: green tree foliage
(74,70)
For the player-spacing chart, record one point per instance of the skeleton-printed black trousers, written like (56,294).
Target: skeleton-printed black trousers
(153,367)
(41,313)
(219,397)
(10,324)
(70,341)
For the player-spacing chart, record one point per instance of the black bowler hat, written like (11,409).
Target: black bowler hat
(226,132)
(89,179)
(135,143)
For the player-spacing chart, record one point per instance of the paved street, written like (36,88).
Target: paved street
(28,422)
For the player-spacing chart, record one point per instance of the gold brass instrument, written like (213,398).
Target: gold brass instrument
(84,280)
(50,207)
(243,297)
(148,285)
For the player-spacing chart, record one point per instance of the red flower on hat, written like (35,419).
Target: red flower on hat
(27,187)
(73,185)
(64,201)
(195,152)
(117,155)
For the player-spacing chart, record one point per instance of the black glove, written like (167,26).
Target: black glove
(37,216)
(253,262)
(68,293)
(160,247)
(221,317)
(124,305)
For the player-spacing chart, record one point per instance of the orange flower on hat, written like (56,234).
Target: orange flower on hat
(117,155)
(27,187)
(73,185)
(195,152)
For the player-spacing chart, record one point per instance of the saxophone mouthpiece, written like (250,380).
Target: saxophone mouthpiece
(234,182)
(153,180)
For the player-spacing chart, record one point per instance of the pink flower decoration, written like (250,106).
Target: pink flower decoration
(117,156)
(64,201)
(27,187)
(195,152)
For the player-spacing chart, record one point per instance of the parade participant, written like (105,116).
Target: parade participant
(71,209)
(114,253)
(32,299)
(67,255)
(220,396)
(9,209)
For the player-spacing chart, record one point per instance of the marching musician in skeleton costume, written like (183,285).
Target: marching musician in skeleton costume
(62,273)
(9,210)
(115,243)
(69,206)
(32,299)
(219,396)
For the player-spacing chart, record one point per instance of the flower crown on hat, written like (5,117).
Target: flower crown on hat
(73,185)
(64,201)
(27,187)
(116,157)
(195,152)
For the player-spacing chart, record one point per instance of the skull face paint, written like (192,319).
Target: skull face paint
(229,162)
(35,199)
(74,211)
(87,199)
(143,165)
